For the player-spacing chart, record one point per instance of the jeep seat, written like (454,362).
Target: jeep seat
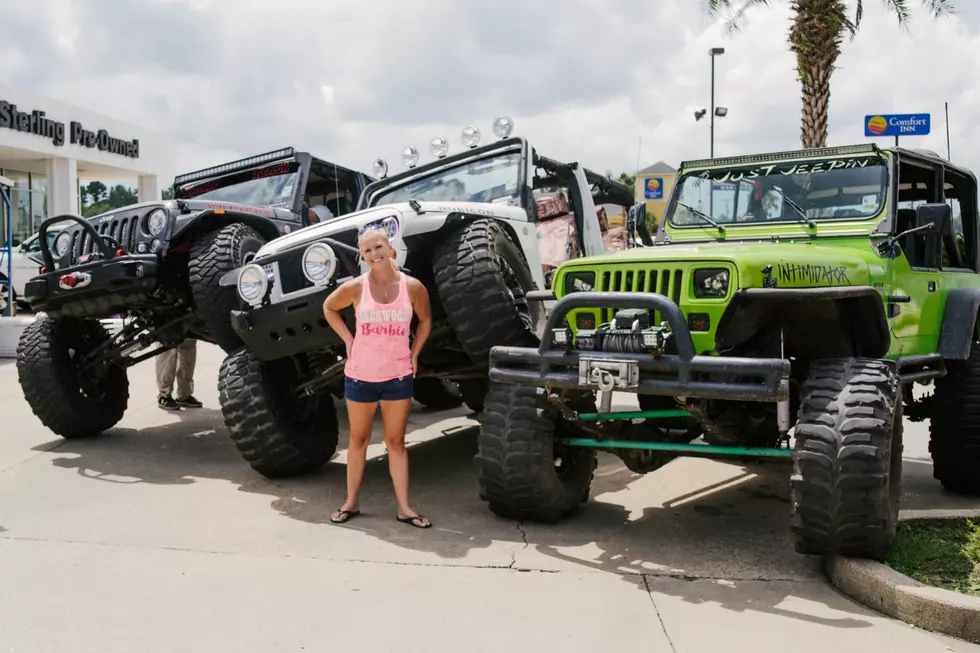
(557,237)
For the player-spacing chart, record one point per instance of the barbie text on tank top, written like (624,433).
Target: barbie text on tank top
(381,349)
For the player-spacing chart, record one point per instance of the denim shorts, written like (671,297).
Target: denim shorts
(368,392)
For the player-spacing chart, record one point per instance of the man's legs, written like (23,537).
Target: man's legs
(166,370)
(186,362)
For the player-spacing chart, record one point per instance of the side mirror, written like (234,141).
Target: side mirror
(636,222)
(936,222)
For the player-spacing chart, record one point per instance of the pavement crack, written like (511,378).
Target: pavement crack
(39,453)
(513,556)
(663,626)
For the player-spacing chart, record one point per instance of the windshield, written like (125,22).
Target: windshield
(271,186)
(495,179)
(829,189)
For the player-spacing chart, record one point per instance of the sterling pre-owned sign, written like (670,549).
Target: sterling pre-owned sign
(38,124)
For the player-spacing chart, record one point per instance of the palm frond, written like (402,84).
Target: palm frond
(736,17)
(901,9)
(940,7)
(857,16)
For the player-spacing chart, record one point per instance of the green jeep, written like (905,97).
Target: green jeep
(806,290)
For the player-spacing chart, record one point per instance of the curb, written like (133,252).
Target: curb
(881,588)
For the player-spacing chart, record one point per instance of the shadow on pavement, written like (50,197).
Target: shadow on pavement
(730,530)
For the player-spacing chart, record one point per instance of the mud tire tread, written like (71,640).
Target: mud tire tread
(848,459)
(50,389)
(515,457)
(273,445)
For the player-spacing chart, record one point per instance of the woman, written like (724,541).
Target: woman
(380,364)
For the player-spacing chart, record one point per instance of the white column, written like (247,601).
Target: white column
(62,186)
(149,188)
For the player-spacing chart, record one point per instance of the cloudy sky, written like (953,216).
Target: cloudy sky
(585,80)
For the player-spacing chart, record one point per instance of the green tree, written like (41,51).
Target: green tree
(96,189)
(818,27)
(629,180)
(120,196)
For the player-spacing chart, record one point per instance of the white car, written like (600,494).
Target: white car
(23,267)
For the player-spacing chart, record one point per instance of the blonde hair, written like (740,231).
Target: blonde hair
(377,231)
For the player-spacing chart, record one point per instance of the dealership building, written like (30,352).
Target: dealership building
(50,149)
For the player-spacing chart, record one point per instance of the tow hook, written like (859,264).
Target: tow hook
(74,280)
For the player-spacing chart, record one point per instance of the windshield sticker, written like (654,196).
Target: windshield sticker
(271,171)
(869,203)
(200,190)
(239,208)
(787,169)
(817,274)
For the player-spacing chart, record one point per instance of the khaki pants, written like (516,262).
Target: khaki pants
(177,363)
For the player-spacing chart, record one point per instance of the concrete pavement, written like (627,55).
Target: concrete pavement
(158,537)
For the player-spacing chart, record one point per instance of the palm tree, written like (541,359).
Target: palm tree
(815,37)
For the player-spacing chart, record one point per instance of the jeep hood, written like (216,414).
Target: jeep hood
(430,217)
(830,262)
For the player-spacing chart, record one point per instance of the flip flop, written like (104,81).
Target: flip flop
(344,516)
(411,521)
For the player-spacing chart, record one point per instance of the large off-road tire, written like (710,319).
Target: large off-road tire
(954,429)
(848,459)
(212,256)
(522,473)
(474,393)
(483,278)
(437,394)
(72,403)
(277,434)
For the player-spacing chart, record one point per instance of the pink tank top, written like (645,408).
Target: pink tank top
(381,350)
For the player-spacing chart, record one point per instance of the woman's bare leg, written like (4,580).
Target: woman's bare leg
(395,414)
(361,416)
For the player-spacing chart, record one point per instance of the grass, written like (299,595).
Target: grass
(939,552)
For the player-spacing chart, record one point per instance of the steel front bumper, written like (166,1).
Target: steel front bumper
(681,374)
(289,327)
(99,287)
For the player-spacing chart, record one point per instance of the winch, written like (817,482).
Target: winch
(629,332)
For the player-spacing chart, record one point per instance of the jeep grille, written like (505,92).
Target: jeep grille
(122,229)
(659,279)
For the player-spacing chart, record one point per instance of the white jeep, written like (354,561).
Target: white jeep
(482,229)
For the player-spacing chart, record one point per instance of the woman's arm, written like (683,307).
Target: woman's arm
(420,302)
(338,300)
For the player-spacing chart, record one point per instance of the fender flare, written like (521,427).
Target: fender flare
(210,220)
(959,322)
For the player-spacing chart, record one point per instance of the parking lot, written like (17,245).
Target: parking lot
(158,537)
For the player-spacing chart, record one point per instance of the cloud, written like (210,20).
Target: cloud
(584,80)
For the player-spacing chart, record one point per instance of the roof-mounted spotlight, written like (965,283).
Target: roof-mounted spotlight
(410,156)
(438,146)
(503,126)
(380,168)
(471,136)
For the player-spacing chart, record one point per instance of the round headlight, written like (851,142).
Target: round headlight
(503,126)
(62,243)
(252,283)
(157,222)
(380,168)
(410,156)
(439,146)
(471,136)
(319,262)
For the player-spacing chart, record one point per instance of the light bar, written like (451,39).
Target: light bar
(241,164)
(781,156)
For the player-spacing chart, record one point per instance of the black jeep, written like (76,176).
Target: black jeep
(157,265)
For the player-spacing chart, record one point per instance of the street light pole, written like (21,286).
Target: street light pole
(713,53)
